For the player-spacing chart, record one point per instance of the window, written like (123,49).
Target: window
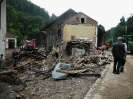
(82,20)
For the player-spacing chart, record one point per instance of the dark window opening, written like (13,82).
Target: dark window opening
(59,33)
(82,20)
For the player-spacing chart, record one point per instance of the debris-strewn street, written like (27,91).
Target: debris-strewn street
(32,77)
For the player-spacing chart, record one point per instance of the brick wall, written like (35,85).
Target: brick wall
(76,19)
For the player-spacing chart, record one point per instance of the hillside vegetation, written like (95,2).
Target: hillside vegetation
(25,19)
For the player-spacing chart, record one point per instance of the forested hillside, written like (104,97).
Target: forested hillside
(119,30)
(25,19)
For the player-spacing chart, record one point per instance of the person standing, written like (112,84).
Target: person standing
(15,57)
(118,51)
(1,61)
(124,59)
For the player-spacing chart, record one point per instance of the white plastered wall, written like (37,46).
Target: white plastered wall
(3,28)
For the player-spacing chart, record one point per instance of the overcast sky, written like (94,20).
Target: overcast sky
(105,12)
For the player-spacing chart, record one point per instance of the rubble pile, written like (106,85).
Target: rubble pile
(33,67)
(39,64)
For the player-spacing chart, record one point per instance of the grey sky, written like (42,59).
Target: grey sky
(105,12)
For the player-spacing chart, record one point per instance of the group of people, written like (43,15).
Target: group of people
(119,50)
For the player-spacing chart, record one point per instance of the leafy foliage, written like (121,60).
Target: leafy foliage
(115,32)
(130,21)
(25,19)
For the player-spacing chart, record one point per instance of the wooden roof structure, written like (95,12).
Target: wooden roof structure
(71,11)
(9,35)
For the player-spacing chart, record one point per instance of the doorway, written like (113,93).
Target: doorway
(11,43)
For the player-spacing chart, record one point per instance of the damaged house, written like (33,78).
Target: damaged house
(67,27)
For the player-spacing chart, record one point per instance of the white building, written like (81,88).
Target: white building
(11,41)
(2,26)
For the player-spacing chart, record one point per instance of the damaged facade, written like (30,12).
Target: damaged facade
(67,27)
(2,26)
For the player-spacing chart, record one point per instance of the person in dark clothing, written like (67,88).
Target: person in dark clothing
(1,61)
(15,57)
(118,51)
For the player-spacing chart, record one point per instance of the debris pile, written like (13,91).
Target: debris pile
(35,64)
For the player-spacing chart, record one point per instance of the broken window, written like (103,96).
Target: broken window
(82,20)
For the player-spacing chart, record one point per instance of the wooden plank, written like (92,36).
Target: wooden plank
(89,74)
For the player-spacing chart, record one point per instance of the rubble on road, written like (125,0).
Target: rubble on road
(91,61)
(83,61)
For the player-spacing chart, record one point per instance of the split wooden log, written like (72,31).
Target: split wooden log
(53,65)
(108,60)
(72,71)
(100,63)
(79,61)
(8,71)
(78,65)
(21,64)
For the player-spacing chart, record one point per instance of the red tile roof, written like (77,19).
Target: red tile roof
(11,35)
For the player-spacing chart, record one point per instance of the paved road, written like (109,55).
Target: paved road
(114,86)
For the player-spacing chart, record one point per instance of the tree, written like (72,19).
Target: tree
(11,16)
(122,21)
(11,3)
(20,6)
(53,17)
(130,21)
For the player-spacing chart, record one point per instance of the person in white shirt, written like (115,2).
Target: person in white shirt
(124,59)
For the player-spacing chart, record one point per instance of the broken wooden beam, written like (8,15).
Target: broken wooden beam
(90,74)
(8,71)
(72,71)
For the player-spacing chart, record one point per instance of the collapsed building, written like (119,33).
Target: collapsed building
(69,26)
(72,32)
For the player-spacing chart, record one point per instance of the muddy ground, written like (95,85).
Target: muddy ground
(74,87)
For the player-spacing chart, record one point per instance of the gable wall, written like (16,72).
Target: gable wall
(76,19)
